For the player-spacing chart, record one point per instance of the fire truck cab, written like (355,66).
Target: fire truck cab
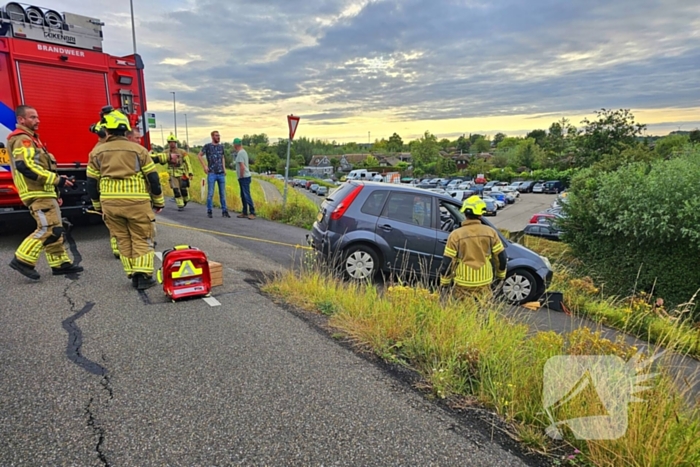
(54,62)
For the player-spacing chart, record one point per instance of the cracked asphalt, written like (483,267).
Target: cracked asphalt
(93,373)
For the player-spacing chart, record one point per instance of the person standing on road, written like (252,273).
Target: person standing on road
(244,180)
(101,138)
(123,183)
(469,253)
(35,175)
(179,169)
(215,168)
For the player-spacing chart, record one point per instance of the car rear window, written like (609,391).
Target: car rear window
(375,202)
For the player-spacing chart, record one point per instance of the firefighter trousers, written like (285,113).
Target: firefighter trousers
(47,237)
(132,222)
(475,293)
(180,190)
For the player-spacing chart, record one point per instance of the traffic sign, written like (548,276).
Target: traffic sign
(293,123)
(151,120)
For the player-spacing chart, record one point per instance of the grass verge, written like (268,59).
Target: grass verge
(641,315)
(468,354)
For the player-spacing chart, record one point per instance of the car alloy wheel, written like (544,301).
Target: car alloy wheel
(360,263)
(519,287)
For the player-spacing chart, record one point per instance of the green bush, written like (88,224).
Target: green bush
(637,227)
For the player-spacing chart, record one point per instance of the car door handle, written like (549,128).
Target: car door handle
(443,241)
(386,227)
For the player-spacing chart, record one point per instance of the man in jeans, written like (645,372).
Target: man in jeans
(243,172)
(215,168)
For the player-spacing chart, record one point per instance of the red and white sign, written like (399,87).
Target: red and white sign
(293,124)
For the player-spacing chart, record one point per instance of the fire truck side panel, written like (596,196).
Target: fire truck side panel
(67,107)
(68,87)
(8,192)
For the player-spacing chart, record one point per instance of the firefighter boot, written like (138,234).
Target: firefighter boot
(24,269)
(66,268)
(145,281)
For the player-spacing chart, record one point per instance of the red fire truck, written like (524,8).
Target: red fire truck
(54,62)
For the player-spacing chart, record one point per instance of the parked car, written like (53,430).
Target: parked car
(514,186)
(526,187)
(553,186)
(465,185)
(322,191)
(543,218)
(538,188)
(314,187)
(509,190)
(500,198)
(491,206)
(370,227)
(460,195)
(547,231)
(308,184)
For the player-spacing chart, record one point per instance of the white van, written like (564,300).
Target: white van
(357,174)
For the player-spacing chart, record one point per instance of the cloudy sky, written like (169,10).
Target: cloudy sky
(354,69)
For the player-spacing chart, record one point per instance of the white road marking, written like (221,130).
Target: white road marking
(211,301)
(159,255)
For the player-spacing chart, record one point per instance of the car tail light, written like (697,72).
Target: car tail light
(343,206)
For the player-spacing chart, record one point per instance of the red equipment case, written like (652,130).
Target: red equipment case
(185,273)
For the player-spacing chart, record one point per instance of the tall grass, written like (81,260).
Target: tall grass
(467,352)
(642,314)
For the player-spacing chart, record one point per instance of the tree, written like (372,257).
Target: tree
(266,161)
(425,150)
(528,154)
(445,166)
(666,146)
(611,133)
(463,144)
(445,143)
(695,136)
(480,145)
(498,138)
(380,146)
(474,137)
(538,135)
(395,143)
(508,143)
(335,163)
(370,162)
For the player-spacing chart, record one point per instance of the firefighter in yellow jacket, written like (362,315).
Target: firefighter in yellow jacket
(472,253)
(101,138)
(123,183)
(35,176)
(179,169)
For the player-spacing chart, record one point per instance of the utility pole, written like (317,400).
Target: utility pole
(187,134)
(174,112)
(162,135)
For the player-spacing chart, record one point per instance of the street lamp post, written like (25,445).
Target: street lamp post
(187,134)
(162,135)
(174,113)
(138,63)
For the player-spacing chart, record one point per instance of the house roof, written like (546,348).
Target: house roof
(317,160)
(355,158)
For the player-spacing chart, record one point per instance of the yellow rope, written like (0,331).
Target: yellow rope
(214,232)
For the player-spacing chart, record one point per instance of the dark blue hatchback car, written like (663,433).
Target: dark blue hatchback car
(371,227)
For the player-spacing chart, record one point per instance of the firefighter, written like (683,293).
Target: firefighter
(469,253)
(35,176)
(101,138)
(123,184)
(179,169)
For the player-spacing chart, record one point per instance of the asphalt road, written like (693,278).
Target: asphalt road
(94,373)
(514,217)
